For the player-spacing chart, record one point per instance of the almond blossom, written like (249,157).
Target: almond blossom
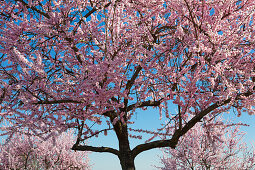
(76,64)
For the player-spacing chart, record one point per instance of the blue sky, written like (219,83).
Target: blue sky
(150,120)
(103,161)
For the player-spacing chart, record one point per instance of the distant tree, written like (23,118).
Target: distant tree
(79,63)
(33,153)
(210,146)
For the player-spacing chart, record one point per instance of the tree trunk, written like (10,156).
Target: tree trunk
(126,159)
(125,154)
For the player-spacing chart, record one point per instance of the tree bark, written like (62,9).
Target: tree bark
(125,155)
(127,160)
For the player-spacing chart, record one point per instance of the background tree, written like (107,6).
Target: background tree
(211,145)
(24,152)
(75,63)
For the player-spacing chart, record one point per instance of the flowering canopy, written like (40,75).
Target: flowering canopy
(24,152)
(210,146)
(65,63)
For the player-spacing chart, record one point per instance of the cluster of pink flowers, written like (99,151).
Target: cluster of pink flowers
(24,152)
(215,146)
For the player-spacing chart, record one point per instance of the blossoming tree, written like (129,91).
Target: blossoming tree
(24,152)
(210,146)
(65,63)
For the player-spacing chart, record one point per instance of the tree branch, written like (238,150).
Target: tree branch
(88,14)
(78,24)
(58,101)
(155,144)
(178,133)
(95,149)
(96,133)
(3,95)
(143,104)
(132,80)
(34,8)
(95,9)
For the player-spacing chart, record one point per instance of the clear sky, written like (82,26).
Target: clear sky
(146,160)
(103,161)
